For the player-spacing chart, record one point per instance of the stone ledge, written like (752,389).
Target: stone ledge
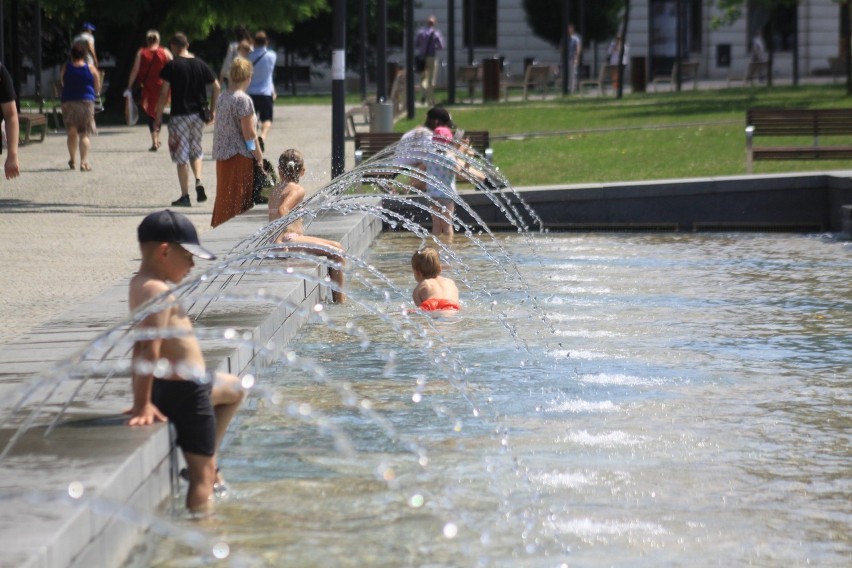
(118,466)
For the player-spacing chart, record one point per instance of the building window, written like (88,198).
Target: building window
(484,20)
(778,25)
(664,25)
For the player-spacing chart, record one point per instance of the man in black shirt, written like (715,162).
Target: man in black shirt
(187,77)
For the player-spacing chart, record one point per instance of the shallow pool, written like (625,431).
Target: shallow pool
(648,400)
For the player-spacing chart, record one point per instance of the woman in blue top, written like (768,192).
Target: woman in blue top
(80,86)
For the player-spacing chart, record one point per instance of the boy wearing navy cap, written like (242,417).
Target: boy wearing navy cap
(170,380)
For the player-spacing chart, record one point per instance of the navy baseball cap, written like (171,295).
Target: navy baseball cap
(170,227)
(88,26)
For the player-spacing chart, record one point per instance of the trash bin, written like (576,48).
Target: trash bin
(638,79)
(491,79)
(381,117)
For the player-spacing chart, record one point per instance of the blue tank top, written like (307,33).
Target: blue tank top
(78,84)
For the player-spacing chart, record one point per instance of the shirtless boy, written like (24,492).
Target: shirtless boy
(433,291)
(182,393)
(282,199)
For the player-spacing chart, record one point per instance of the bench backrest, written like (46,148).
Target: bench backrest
(371,143)
(688,71)
(469,73)
(536,74)
(799,122)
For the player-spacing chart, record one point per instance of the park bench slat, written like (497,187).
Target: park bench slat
(368,144)
(812,123)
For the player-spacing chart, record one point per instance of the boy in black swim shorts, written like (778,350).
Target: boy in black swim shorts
(198,403)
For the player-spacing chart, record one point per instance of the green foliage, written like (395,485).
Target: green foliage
(650,136)
(733,10)
(311,39)
(599,23)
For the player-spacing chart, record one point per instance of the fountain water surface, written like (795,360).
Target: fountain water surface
(612,399)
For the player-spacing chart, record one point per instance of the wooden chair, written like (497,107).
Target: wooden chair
(536,76)
(472,75)
(604,78)
(689,72)
(355,117)
(397,93)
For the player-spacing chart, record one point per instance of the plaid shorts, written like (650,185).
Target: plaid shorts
(185,138)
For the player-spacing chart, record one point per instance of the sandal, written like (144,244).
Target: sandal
(71,164)
(84,167)
(153,147)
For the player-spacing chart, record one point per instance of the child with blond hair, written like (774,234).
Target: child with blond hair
(283,199)
(433,291)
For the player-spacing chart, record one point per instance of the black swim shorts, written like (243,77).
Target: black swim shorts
(187,405)
(263,105)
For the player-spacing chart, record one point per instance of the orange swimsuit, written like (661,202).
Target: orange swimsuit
(433,304)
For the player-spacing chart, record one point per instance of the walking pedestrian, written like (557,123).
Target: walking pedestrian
(188,77)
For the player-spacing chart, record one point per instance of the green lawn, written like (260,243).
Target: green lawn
(644,136)
(641,137)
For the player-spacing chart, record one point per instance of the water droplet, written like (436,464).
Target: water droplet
(230,333)
(451,530)
(417,397)
(305,409)
(247,381)
(75,489)
(416,500)
(221,550)
(318,308)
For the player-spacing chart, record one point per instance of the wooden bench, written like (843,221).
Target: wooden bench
(605,76)
(368,144)
(27,121)
(813,123)
(535,77)
(31,119)
(688,72)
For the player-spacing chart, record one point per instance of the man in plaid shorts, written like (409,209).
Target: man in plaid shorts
(187,77)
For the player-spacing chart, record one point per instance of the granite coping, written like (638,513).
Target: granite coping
(84,495)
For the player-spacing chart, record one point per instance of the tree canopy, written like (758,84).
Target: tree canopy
(597,21)
(121,26)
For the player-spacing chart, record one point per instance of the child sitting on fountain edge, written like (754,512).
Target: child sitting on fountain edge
(282,200)
(182,392)
(433,291)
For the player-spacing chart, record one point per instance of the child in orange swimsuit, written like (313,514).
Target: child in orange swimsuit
(284,198)
(433,291)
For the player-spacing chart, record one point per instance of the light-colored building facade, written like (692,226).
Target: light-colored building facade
(722,51)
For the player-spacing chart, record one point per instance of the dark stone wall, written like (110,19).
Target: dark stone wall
(799,203)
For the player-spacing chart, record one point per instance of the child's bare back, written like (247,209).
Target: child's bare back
(433,291)
(282,199)
(287,196)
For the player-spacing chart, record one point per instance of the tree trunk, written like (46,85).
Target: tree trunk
(620,92)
